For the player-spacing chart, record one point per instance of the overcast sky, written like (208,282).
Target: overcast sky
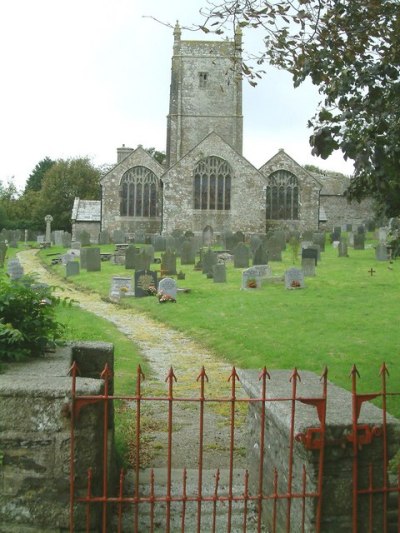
(83,77)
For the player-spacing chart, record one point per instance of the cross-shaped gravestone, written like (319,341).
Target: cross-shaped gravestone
(48,219)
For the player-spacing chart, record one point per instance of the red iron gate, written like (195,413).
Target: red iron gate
(290,481)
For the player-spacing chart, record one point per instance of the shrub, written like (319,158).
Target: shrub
(27,318)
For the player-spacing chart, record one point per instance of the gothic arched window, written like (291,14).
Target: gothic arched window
(282,196)
(212,184)
(138,193)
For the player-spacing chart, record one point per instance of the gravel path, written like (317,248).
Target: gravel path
(167,348)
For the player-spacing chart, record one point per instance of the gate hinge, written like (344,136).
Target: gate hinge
(311,439)
(365,434)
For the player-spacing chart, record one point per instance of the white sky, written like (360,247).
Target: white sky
(83,77)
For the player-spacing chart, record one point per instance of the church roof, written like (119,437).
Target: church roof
(86,210)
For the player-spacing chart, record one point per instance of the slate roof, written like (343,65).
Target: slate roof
(86,210)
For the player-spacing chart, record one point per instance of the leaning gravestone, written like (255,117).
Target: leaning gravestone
(241,256)
(93,260)
(72,269)
(294,279)
(144,279)
(308,266)
(167,287)
(251,278)
(121,286)
(219,273)
(381,252)
(15,269)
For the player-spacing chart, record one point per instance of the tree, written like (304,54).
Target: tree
(351,51)
(160,157)
(34,182)
(65,180)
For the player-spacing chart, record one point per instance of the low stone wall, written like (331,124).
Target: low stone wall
(338,453)
(35,399)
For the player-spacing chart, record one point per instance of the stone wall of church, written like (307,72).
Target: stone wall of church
(340,212)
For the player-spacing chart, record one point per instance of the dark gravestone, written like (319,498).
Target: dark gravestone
(219,273)
(349,227)
(361,229)
(84,238)
(229,241)
(239,237)
(168,263)
(83,257)
(140,238)
(280,236)
(260,256)
(307,235)
(308,266)
(131,254)
(294,278)
(343,249)
(143,260)
(72,268)
(359,241)
(310,253)
(66,240)
(104,237)
(255,242)
(93,260)
(241,256)
(159,243)
(143,280)
(337,230)
(149,251)
(319,238)
(170,243)
(209,259)
(274,249)
(118,236)
(188,252)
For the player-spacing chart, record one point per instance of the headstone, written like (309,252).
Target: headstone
(140,237)
(342,249)
(131,254)
(308,266)
(15,269)
(382,234)
(208,234)
(93,260)
(349,227)
(144,279)
(280,236)
(168,263)
(72,268)
(319,238)
(159,243)
(241,256)
(255,242)
(219,273)
(40,239)
(66,239)
(142,260)
(381,252)
(274,249)
(260,256)
(84,238)
(359,241)
(188,252)
(104,237)
(58,237)
(294,278)
(371,225)
(118,236)
(121,286)
(310,253)
(83,257)
(167,287)
(66,258)
(26,236)
(209,259)
(239,237)
(48,219)
(307,235)
(229,240)
(263,271)
(251,278)
(149,251)
(170,243)
(350,238)
(361,229)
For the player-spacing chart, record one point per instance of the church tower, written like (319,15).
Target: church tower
(205,94)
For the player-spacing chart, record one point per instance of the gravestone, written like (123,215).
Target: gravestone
(140,237)
(208,234)
(170,243)
(13,243)
(319,238)
(381,252)
(159,243)
(209,259)
(359,241)
(229,240)
(263,271)
(167,287)
(149,251)
(342,249)
(58,237)
(280,236)
(349,227)
(40,239)
(93,260)
(239,237)
(350,238)
(307,235)
(251,278)
(131,254)
(382,234)
(142,260)
(219,273)
(121,286)
(241,256)
(66,257)
(15,269)
(72,268)
(260,256)
(118,236)
(274,249)
(308,266)
(294,278)
(104,237)
(48,219)
(143,280)
(255,242)
(310,253)
(188,252)
(3,253)
(66,239)
(84,238)
(361,229)
(168,263)
(83,257)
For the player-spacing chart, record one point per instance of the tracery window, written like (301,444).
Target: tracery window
(212,184)
(138,193)
(282,196)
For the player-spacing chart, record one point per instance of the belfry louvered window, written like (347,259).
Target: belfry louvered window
(282,196)
(212,184)
(138,193)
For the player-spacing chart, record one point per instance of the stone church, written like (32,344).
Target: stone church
(206,181)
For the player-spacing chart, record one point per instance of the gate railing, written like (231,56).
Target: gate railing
(289,479)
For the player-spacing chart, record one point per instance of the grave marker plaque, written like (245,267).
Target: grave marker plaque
(294,279)
(143,280)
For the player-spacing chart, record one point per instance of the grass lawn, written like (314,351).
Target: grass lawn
(344,316)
